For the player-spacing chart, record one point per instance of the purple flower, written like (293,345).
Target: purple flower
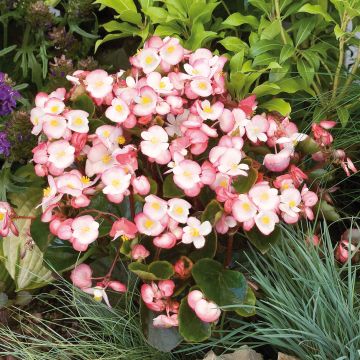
(4,144)
(8,97)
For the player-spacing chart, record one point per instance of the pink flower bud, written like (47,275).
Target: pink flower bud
(81,276)
(141,185)
(80,202)
(166,287)
(277,162)
(165,241)
(54,226)
(183,267)
(117,286)
(193,297)
(41,170)
(207,311)
(139,252)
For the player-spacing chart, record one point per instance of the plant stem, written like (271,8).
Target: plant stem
(344,23)
(278,16)
(16,217)
(353,72)
(132,204)
(99,212)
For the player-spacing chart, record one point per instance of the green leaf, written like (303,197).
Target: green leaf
(24,264)
(305,27)
(286,52)
(191,328)
(264,59)
(242,184)
(327,211)
(157,270)
(200,13)
(60,256)
(156,14)
(338,32)
(233,43)
(163,339)
(118,5)
(236,61)
(170,190)
(7,50)
(168,30)
(292,85)
(266,89)
(208,250)
(84,102)
(262,46)
(306,71)
(199,36)
(107,38)
(248,307)
(308,146)
(317,10)
(237,19)
(263,5)
(343,114)
(6,282)
(224,287)
(279,105)
(212,212)
(271,31)
(263,242)
(40,233)
(131,16)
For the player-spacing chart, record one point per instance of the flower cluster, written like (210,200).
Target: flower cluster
(8,96)
(166,139)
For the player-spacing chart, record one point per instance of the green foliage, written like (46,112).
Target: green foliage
(311,304)
(275,47)
(44,35)
(23,259)
(157,270)
(83,329)
(190,326)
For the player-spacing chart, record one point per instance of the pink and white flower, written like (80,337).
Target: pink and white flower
(256,128)
(289,202)
(264,197)
(243,209)
(230,163)
(155,141)
(149,60)
(61,154)
(118,111)
(155,208)
(201,86)
(187,174)
(162,85)
(99,83)
(116,180)
(78,121)
(171,52)
(208,111)
(195,232)
(54,106)
(54,126)
(85,232)
(81,276)
(145,102)
(265,221)
(148,226)
(179,210)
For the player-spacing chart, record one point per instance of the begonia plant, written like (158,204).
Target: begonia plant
(160,163)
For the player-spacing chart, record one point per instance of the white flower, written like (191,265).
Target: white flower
(195,232)
(179,210)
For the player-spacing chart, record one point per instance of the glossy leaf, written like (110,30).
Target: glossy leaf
(24,264)
(84,102)
(248,306)
(40,233)
(343,114)
(317,10)
(279,105)
(237,19)
(263,242)
(163,339)
(170,190)
(208,250)
(191,328)
(224,287)
(233,43)
(242,184)
(118,5)
(212,212)
(157,270)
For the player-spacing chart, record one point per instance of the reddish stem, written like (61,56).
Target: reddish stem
(132,204)
(23,217)
(99,212)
